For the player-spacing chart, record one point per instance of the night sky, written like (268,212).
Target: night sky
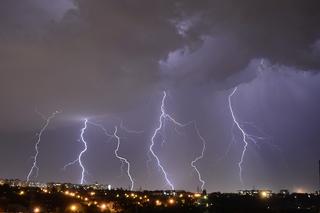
(111,60)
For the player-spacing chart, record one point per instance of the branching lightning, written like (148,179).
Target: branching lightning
(246,137)
(117,137)
(162,118)
(199,157)
(79,159)
(122,159)
(35,157)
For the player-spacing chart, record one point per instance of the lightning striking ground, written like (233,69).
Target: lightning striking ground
(246,137)
(79,159)
(162,118)
(122,159)
(117,137)
(35,157)
(244,134)
(199,157)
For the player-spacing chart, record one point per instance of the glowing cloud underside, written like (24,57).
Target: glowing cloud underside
(35,157)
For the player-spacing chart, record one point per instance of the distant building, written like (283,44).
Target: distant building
(284,192)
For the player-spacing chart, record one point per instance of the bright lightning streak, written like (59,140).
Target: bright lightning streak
(110,136)
(114,135)
(83,151)
(162,118)
(122,159)
(35,157)
(244,135)
(199,157)
(79,159)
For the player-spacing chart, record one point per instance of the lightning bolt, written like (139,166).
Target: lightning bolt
(162,117)
(199,157)
(36,147)
(166,117)
(246,137)
(79,159)
(122,159)
(244,134)
(117,137)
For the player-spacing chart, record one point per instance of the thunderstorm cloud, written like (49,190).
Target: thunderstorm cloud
(104,58)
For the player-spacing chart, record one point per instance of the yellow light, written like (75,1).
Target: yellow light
(181,195)
(36,210)
(73,208)
(21,193)
(103,206)
(66,192)
(86,199)
(95,202)
(197,195)
(264,194)
(171,201)
(158,203)
(92,193)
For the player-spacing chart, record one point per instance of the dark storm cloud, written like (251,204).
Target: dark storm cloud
(101,53)
(104,57)
(284,32)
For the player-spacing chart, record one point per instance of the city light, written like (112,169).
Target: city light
(265,194)
(197,195)
(158,203)
(171,201)
(36,210)
(73,208)
(103,206)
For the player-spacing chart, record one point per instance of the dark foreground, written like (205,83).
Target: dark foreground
(90,199)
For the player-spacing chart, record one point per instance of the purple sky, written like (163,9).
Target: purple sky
(111,60)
